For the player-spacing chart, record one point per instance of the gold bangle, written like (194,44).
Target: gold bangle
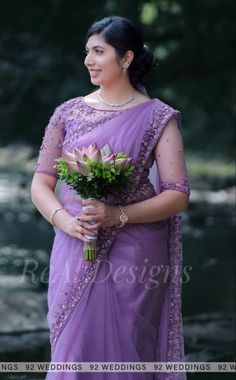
(53,213)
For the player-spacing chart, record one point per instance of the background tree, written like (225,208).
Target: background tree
(41,63)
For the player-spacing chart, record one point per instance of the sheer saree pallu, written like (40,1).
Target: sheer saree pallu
(126,305)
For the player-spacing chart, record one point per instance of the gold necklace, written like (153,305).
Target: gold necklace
(131,98)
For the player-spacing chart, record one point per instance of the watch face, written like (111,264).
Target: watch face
(124,218)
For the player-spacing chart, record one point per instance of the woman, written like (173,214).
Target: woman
(126,305)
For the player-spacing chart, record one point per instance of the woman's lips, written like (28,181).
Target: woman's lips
(94,73)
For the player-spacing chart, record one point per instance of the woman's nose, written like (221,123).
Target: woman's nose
(88,61)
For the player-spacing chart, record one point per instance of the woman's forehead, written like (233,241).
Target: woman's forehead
(95,41)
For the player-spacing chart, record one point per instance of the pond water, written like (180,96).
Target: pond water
(208,288)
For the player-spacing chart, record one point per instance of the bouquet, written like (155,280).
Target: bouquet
(94,173)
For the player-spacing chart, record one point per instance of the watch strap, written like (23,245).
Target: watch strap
(122,213)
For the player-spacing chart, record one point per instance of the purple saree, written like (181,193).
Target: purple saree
(125,306)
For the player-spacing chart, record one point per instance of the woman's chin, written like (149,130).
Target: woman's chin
(95,81)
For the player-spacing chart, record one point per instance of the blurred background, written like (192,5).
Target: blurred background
(41,65)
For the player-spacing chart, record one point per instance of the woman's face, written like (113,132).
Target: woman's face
(102,62)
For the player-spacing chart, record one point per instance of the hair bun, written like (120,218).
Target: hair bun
(141,65)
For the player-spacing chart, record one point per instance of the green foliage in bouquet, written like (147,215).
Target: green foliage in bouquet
(94,173)
(95,177)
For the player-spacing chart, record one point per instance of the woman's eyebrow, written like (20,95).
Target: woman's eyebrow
(95,47)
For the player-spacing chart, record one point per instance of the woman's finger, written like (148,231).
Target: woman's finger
(92,227)
(77,233)
(89,211)
(82,237)
(91,202)
(89,219)
(85,231)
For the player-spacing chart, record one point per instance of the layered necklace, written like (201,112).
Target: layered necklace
(129,100)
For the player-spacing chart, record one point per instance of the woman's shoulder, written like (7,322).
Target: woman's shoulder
(70,103)
(163,107)
(163,113)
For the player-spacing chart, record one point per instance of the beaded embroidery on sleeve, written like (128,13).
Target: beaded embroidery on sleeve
(70,120)
(51,146)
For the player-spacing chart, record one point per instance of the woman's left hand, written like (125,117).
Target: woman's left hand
(103,215)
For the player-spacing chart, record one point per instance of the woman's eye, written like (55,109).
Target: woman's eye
(98,51)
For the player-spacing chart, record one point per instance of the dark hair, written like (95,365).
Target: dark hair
(125,35)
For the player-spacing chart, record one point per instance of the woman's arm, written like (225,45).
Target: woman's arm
(157,208)
(172,170)
(169,156)
(45,179)
(44,198)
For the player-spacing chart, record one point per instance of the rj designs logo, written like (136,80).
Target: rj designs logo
(147,275)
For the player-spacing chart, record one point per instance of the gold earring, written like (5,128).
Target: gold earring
(124,68)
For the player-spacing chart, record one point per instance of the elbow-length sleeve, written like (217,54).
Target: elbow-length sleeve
(170,158)
(51,147)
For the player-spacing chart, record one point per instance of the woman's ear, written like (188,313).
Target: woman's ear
(128,58)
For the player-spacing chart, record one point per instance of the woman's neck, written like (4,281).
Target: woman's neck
(117,92)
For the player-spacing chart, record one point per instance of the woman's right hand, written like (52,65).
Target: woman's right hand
(72,226)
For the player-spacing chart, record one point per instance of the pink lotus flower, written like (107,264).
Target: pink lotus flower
(72,166)
(92,152)
(83,168)
(120,163)
(105,151)
(77,160)
(78,154)
(110,158)
(68,156)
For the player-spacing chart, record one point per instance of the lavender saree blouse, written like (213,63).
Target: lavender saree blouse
(126,305)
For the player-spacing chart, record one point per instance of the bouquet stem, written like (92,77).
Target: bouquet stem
(90,250)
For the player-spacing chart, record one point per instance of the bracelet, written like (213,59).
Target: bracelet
(53,213)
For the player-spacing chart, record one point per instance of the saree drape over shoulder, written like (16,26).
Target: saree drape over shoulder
(126,305)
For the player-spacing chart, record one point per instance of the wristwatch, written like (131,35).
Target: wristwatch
(123,217)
